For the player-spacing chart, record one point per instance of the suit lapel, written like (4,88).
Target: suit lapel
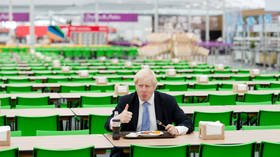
(135,111)
(158,109)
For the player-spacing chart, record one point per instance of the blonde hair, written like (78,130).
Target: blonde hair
(145,74)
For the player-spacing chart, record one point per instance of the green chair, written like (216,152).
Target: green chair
(240,150)
(240,78)
(159,151)
(56,133)
(3,120)
(226,87)
(93,101)
(256,99)
(77,152)
(17,80)
(223,117)
(5,102)
(264,78)
(57,80)
(29,125)
(87,79)
(269,149)
(19,89)
(243,71)
(215,99)
(266,118)
(176,87)
(33,102)
(9,152)
(179,98)
(96,124)
(175,78)
(102,88)
(68,89)
(16,133)
(202,87)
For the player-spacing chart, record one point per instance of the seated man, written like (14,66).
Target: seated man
(140,110)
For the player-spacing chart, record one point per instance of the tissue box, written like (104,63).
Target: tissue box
(170,72)
(202,79)
(254,72)
(240,88)
(65,69)
(145,67)
(101,80)
(83,73)
(121,89)
(211,130)
(219,67)
(5,135)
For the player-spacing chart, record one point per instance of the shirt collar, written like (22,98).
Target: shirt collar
(150,101)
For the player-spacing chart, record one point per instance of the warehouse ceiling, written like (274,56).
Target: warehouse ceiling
(179,7)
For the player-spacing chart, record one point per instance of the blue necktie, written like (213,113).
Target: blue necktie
(145,117)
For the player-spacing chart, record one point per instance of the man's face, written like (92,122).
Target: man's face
(145,89)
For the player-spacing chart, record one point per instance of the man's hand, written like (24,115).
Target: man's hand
(125,116)
(172,130)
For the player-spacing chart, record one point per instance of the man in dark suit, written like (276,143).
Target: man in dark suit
(140,110)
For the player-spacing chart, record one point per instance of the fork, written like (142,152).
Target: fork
(160,123)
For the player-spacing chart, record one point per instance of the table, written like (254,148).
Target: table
(27,143)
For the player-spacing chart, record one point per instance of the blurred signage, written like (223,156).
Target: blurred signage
(19,17)
(90,17)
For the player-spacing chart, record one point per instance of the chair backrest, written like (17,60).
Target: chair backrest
(269,149)
(96,100)
(30,101)
(80,152)
(222,99)
(240,150)
(9,152)
(179,98)
(175,78)
(67,89)
(223,117)
(275,85)
(206,86)
(18,80)
(56,80)
(176,87)
(268,118)
(96,124)
(5,102)
(87,79)
(55,133)
(258,97)
(226,87)
(102,88)
(18,89)
(159,151)
(29,125)
(264,78)
(3,120)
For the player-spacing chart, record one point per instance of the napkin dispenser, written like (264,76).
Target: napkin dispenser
(171,72)
(83,73)
(101,80)
(219,67)
(202,79)
(5,135)
(240,88)
(211,130)
(121,89)
(254,72)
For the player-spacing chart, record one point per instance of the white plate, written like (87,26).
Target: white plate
(150,133)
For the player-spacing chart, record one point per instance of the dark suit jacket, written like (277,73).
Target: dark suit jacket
(166,108)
